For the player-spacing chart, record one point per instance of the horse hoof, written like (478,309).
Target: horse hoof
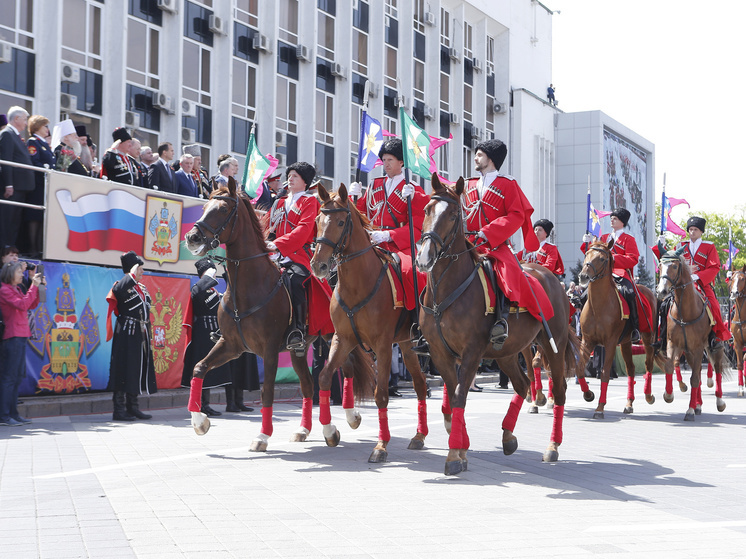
(550,456)
(668,398)
(550,403)
(740,391)
(698,410)
(598,415)
(258,445)
(378,456)
(533,409)
(331,435)
(689,416)
(650,399)
(416,444)
(354,419)
(300,435)
(710,382)
(720,404)
(510,446)
(541,400)
(201,424)
(454,467)
(628,409)
(683,387)
(589,396)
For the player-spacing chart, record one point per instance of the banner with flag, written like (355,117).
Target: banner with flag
(732,251)
(416,146)
(371,140)
(668,224)
(593,225)
(256,168)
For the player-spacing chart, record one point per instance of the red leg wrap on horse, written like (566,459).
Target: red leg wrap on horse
(458,430)
(583,384)
(678,374)
(348,398)
(604,389)
(383,425)
(325,412)
(533,391)
(740,376)
(631,389)
(306,417)
(537,378)
(422,417)
(513,410)
(719,385)
(267,421)
(195,394)
(709,370)
(699,394)
(669,384)
(550,382)
(558,414)
(446,405)
(648,376)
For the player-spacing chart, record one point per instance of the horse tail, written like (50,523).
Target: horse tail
(363,374)
(572,353)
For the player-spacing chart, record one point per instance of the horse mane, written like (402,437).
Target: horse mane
(258,225)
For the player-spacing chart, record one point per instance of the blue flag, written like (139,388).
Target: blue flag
(371,140)
(732,251)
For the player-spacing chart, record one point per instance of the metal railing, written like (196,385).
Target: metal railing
(44,170)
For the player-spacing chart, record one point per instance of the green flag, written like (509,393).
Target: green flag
(255,168)
(416,144)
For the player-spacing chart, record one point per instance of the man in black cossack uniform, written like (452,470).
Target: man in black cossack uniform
(131,371)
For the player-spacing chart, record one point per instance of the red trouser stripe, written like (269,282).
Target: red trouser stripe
(513,410)
(604,389)
(306,417)
(383,425)
(348,398)
(669,384)
(267,421)
(648,376)
(422,417)
(446,405)
(195,394)
(631,388)
(325,411)
(583,384)
(537,378)
(558,414)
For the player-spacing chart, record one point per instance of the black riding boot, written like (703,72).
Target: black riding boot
(663,308)
(238,400)
(205,408)
(133,407)
(499,331)
(420,345)
(120,409)
(230,399)
(628,292)
(296,340)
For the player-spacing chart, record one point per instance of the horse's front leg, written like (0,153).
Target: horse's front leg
(338,352)
(458,440)
(739,360)
(717,359)
(556,368)
(218,355)
(300,366)
(609,350)
(695,397)
(420,387)
(259,444)
(647,338)
(383,359)
(585,354)
(521,385)
(630,364)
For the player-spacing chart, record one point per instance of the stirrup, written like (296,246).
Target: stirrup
(634,336)
(421,347)
(296,341)
(215,336)
(499,334)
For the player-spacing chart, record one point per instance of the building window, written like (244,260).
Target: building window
(445,28)
(358,88)
(197,23)
(247,11)
(89,91)
(244,89)
(324,118)
(419,16)
(146,10)
(391,23)
(324,159)
(202,125)
(418,113)
(243,43)
(142,53)
(324,78)
(329,6)
(360,11)
(390,68)
(325,35)
(287,119)
(140,100)
(288,28)
(81,33)
(287,62)
(419,80)
(490,66)
(16,23)
(359,51)
(241,129)
(445,92)
(18,75)
(196,73)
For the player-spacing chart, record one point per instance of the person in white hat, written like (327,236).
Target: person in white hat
(68,149)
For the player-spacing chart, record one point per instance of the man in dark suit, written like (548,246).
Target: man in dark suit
(17,183)
(185,184)
(161,175)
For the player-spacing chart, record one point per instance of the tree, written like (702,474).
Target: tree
(644,277)
(575,271)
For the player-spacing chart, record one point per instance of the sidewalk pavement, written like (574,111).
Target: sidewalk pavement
(640,485)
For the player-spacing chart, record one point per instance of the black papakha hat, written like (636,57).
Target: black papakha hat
(392,147)
(305,170)
(129,259)
(544,224)
(204,264)
(496,150)
(698,222)
(121,134)
(622,214)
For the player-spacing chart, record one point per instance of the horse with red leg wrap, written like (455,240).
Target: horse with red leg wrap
(738,322)
(689,328)
(602,323)
(363,312)
(456,322)
(254,314)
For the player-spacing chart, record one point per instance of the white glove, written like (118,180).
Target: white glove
(662,239)
(407,190)
(380,237)
(271,246)
(356,189)
(729,274)
(695,277)
(587,238)
(275,256)
(211,272)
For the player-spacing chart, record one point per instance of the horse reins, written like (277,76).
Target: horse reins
(597,274)
(673,282)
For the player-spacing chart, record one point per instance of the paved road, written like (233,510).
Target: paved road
(646,485)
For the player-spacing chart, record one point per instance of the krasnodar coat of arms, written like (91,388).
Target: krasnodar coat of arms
(167,317)
(161,229)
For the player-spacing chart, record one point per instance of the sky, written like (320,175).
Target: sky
(673,72)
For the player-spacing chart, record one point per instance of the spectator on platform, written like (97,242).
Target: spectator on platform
(185,184)
(41,156)
(116,165)
(142,171)
(17,183)
(161,175)
(68,149)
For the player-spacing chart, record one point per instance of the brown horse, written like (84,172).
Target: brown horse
(601,323)
(254,314)
(688,331)
(363,314)
(738,299)
(456,323)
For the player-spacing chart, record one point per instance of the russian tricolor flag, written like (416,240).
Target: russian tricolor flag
(113,221)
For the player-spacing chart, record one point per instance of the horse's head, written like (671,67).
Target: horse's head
(674,273)
(216,224)
(333,230)
(738,284)
(443,223)
(597,264)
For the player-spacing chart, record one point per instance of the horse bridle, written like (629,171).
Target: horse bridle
(673,281)
(201,226)
(597,274)
(442,246)
(338,247)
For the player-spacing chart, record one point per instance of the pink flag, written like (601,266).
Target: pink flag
(601,213)
(435,143)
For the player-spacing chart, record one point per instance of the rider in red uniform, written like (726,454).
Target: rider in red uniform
(292,229)
(495,208)
(548,255)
